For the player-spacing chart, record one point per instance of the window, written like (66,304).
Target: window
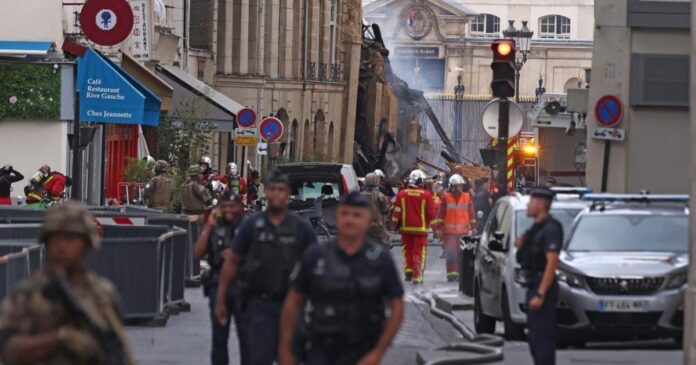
(554,26)
(201,24)
(485,25)
(334,29)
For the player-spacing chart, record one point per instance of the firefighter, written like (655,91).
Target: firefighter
(159,191)
(457,219)
(235,182)
(413,215)
(50,184)
(206,168)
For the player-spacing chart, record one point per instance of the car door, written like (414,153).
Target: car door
(486,257)
(504,218)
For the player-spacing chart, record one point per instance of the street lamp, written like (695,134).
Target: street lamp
(522,38)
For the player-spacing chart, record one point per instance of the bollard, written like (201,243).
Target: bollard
(468,246)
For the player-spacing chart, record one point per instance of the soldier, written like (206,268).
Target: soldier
(347,282)
(65,314)
(380,206)
(214,243)
(159,191)
(538,251)
(265,250)
(195,198)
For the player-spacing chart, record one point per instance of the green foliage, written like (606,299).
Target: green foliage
(29,91)
(138,171)
(184,136)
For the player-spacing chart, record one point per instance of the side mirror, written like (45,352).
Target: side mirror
(498,235)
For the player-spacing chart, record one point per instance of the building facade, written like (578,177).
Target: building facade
(295,59)
(641,56)
(436,44)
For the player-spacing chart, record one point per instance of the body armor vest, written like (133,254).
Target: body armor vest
(532,256)
(220,238)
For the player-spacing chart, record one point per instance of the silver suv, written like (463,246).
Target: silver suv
(497,294)
(623,270)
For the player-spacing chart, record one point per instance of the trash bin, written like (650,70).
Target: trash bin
(468,246)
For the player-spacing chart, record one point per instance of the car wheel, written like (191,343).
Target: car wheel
(513,331)
(482,322)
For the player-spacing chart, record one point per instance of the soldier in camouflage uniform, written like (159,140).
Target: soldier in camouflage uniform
(195,198)
(160,189)
(380,206)
(64,314)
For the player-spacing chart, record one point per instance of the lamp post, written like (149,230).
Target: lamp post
(522,38)
(458,113)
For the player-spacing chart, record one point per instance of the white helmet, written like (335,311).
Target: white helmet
(380,173)
(456,179)
(416,177)
(149,159)
(206,160)
(232,168)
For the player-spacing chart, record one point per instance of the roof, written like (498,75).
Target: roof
(562,201)
(453,5)
(24,48)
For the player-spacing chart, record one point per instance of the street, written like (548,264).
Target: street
(186,338)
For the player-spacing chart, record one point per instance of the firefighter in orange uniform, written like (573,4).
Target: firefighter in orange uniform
(413,215)
(457,218)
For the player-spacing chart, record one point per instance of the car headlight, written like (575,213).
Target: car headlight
(677,280)
(572,280)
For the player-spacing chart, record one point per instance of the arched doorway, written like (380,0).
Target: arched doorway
(319,146)
(573,83)
(293,139)
(330,143)
(306,141)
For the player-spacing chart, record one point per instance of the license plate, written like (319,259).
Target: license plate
(623,306)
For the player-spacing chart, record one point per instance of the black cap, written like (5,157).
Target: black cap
(542,192)
(229,196)
(355,199)
(278,178)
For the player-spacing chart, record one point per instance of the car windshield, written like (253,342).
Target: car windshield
(565,216)
(664,233)
(310,190)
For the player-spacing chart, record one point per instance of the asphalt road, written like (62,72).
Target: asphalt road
(186,338)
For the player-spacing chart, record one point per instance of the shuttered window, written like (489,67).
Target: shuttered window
(660,80)
(201,24)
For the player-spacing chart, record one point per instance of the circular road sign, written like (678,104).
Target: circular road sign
(609,111)
(271,129)
(490,119)
(246,117)
(106,22)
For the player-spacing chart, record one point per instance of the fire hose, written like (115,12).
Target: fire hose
(486,348)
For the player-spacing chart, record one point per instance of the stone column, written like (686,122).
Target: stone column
(350,30)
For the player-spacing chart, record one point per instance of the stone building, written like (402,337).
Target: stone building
(296,59)
(433,42)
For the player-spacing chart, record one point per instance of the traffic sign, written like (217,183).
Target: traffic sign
(262,149)
(490,119)
(609,134)
(271,129)
(609,111)
(106,22)
(246,137)
(246,117)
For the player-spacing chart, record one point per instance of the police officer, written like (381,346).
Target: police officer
(214,243)
(537,254)
(159,191)
(65,314)
(347,283)
(195,198)
(265,250)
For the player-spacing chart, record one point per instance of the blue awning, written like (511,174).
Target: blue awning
(24,48)
(108,94)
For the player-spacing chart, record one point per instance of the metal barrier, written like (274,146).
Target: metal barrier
(193,226)
(17,267)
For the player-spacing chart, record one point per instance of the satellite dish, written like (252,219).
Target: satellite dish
(553,108)
(490,119)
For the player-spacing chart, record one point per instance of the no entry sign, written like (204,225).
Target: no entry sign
(106,22)
(609,111)
(246,117)
(271,129)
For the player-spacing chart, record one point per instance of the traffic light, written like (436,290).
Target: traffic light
(503,67)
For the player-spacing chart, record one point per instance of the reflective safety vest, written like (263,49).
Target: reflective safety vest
(414,211)
(456,219)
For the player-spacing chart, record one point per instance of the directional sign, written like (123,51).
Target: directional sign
(609,111)
(106,22)
(246,137)
(490,119)
(271,129)
(246,117)
(262,149)
(609,134)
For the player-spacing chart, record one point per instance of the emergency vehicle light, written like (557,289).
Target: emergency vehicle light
(641,198)
(581,191)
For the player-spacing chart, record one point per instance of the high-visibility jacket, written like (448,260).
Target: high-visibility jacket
(54,186)
(414,211)
(457,213)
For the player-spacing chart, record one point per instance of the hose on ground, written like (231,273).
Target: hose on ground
(487,348)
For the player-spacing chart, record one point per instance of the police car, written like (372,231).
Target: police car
(623,269)
(499,293)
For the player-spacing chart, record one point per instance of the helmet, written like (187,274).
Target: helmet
(45,169)
(194,170)
(206,160)
(371,180)
(149,159)
(232,168)
(70,217)
(416,177)
(456,179)
(161,166)
(379,173)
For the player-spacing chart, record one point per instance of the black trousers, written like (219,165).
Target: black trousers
(219,354)
(258,331)
(340,354)
(541,324)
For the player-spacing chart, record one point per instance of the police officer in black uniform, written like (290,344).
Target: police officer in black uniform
(266,248)
(347,282)
(213,244)
(537,253)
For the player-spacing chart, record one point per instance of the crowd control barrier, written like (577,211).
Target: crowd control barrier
(193,226)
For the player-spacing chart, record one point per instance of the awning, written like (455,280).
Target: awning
(149,80)
(108,94)
(188,91)
(25,48)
